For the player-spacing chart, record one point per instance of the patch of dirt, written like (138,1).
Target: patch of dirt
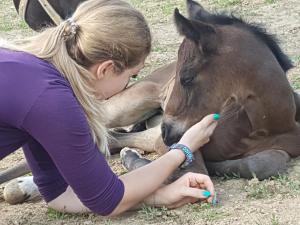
(270,202)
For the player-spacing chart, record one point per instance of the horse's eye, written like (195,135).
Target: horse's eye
(187,80)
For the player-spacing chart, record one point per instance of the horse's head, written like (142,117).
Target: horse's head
(224,66)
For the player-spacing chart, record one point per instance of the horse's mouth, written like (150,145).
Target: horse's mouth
(170,133)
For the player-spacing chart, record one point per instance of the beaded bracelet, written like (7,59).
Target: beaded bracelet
(189,157)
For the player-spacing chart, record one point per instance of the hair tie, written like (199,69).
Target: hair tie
(70,29)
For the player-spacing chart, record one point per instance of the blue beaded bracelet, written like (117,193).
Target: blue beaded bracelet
(189,157)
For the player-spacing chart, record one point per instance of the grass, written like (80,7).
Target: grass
(9,19)
(169,6)
(194,212)
(89,218)
(227,3)
(10,23)
(295,78)
(273,221)
(209,213)
(270,1)
(159,49)
(55,215)
(280,185)
(295,81)
(149,213)
(158,11)
(296,59)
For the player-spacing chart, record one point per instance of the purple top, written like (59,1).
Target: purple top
(39,112)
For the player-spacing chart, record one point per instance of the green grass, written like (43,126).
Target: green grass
(158,11)
(60,217)
(55,215)
(207,212)
(273,221)
(150,213)
(159,49)
(281,184)
(227,3)
(270,1)
(203,212)
(295,81)
(10,24)
(296,59)
(9,18)
(168,7)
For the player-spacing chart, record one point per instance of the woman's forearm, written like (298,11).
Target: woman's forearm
(140,186)
(142,182)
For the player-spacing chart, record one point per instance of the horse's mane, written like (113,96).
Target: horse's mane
(259,32)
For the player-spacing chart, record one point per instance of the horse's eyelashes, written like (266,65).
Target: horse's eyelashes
(188,74)
(187,80)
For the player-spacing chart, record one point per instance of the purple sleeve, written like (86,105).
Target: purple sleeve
(59,127)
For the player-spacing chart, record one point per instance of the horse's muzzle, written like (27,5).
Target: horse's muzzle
(169,134)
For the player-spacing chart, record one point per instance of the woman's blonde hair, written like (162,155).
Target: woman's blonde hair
(99,30)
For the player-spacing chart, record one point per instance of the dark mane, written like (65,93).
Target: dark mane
(261,33)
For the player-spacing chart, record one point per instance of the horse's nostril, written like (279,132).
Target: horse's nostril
(167,134)
(163,131)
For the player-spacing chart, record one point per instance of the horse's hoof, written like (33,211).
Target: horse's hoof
(131,159)
(20,190)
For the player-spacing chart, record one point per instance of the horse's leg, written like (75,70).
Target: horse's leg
(144,140)
(132,160)
(134,104)
(261,165)
(139,101)
(18,170)
(20,190)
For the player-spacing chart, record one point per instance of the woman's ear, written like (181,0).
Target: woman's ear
(105,69)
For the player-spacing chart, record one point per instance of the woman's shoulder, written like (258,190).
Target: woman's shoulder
(23,66)
(25,60)
(25,78)
(13,56)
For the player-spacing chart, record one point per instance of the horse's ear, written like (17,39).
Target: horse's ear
(201,33)
(196,11)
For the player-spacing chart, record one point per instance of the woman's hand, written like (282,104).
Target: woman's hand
(199,134)
(189,188)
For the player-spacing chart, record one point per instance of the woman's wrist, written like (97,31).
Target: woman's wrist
(189,157)
(177,156)
(157,198)
(191,147)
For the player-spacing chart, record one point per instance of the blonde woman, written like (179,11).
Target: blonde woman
(50,87)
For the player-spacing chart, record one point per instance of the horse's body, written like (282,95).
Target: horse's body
(226,66)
